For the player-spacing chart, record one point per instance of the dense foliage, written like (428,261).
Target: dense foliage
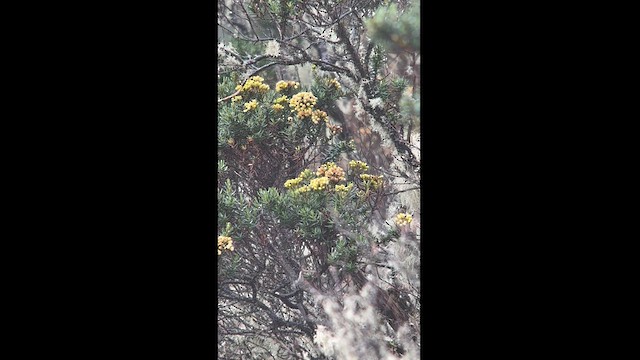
(318,177)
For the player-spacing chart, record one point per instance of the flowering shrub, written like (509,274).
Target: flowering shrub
(264,140)
(303,225)
(319,257)
(307,225)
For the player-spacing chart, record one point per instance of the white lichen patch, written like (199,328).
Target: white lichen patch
(376,102)
(272,48)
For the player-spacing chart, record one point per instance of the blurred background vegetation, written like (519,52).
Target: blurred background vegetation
(318,179)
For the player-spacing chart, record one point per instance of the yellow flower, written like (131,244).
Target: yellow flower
(225,243)
(306,174)
(250,105)
(236,98)
(303,189)
(403,219)
(319,184)
(319,115)
(253,84)
(291,183)
(303,104)
(304,113)
(358,165)
(334,83)
(343,188)
(375,181)
(277,107)
(281,85)
(284,85)
(281,100)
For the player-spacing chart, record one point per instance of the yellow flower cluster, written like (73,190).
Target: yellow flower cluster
(224,243)
(306,174)
(319,115)
(303,103)
(319,184)
(344,188)
(254,84)
(376,181)
(303,189)
(327,174)
(277,107)
(284,85)
(281,100)
(403,219)
(250,105)
(236,98)
(291,183)
(358,165)
(334,83)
